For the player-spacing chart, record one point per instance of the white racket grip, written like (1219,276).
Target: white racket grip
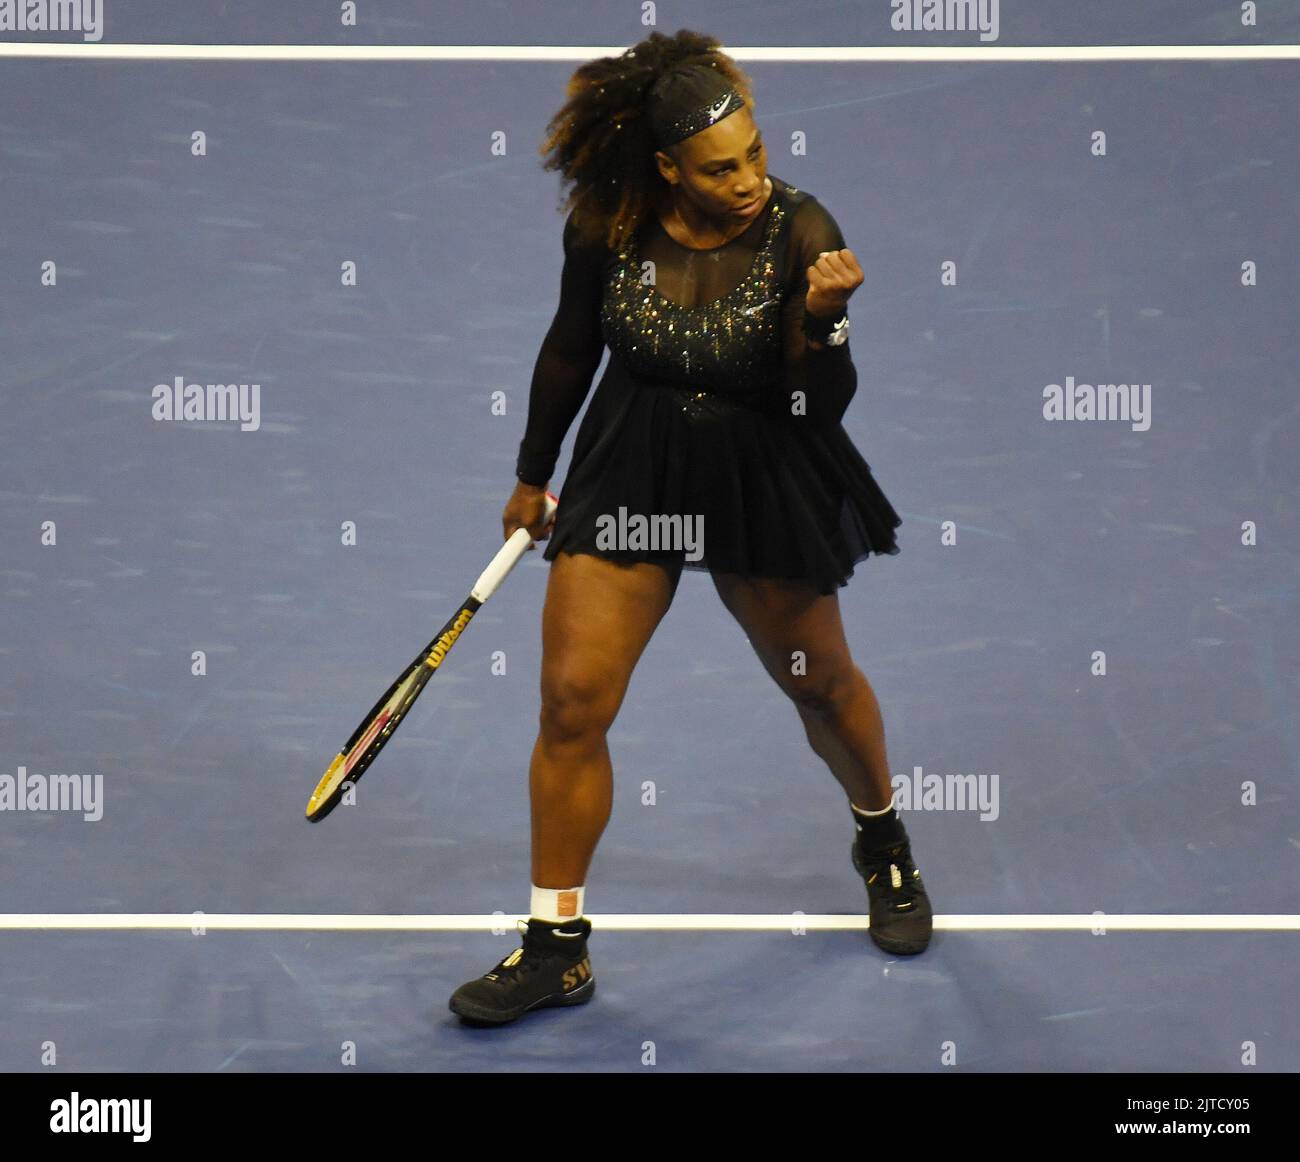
(508,557)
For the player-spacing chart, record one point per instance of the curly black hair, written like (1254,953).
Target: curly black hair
(601,142)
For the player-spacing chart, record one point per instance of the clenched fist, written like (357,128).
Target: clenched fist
(831,281)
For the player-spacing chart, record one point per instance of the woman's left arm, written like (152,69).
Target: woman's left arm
(819,379)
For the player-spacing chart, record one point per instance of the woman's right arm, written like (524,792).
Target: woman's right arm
(566,363)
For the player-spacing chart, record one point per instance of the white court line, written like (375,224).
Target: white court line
(75,50)
(633,922)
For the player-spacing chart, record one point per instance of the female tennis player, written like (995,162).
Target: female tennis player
(721,292)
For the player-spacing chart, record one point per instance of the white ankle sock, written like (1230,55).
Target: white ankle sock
(885,810)
(557,905)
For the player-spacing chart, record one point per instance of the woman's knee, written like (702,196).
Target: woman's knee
(576,707)
(823,691)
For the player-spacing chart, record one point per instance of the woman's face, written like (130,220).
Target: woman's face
(721,168)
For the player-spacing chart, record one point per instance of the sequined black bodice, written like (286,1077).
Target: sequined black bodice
(730,344)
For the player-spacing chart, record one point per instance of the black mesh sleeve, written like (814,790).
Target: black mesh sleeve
(826,376)
(567,361)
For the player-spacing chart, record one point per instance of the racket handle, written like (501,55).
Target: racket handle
(508,556)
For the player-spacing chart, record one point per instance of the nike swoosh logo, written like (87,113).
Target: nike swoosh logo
(716,111)
(569,935)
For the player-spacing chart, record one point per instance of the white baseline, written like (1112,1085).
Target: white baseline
(639,922)
(579,53)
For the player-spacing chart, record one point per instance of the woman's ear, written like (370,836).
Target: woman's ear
(667,166)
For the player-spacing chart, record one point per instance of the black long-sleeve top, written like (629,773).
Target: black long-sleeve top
(574,344)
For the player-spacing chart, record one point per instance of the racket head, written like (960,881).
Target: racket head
(366,742)
(325,797)
(351,762)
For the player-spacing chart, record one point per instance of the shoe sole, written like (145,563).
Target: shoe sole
(898,949)
(469,1011)
(886,943)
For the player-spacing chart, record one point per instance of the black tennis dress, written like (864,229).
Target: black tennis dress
(712,406)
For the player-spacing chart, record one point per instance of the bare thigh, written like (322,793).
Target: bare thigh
(796,632)
(596,622)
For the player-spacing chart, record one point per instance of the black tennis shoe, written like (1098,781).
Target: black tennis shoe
(552,968)
(901,919)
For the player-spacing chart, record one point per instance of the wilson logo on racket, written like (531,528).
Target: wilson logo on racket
(439,651)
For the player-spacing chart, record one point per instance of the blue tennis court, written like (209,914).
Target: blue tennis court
(1086,652)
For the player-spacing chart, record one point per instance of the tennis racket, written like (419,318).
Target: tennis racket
(386,715)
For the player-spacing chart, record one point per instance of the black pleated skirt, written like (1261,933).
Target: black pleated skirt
(768,497)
